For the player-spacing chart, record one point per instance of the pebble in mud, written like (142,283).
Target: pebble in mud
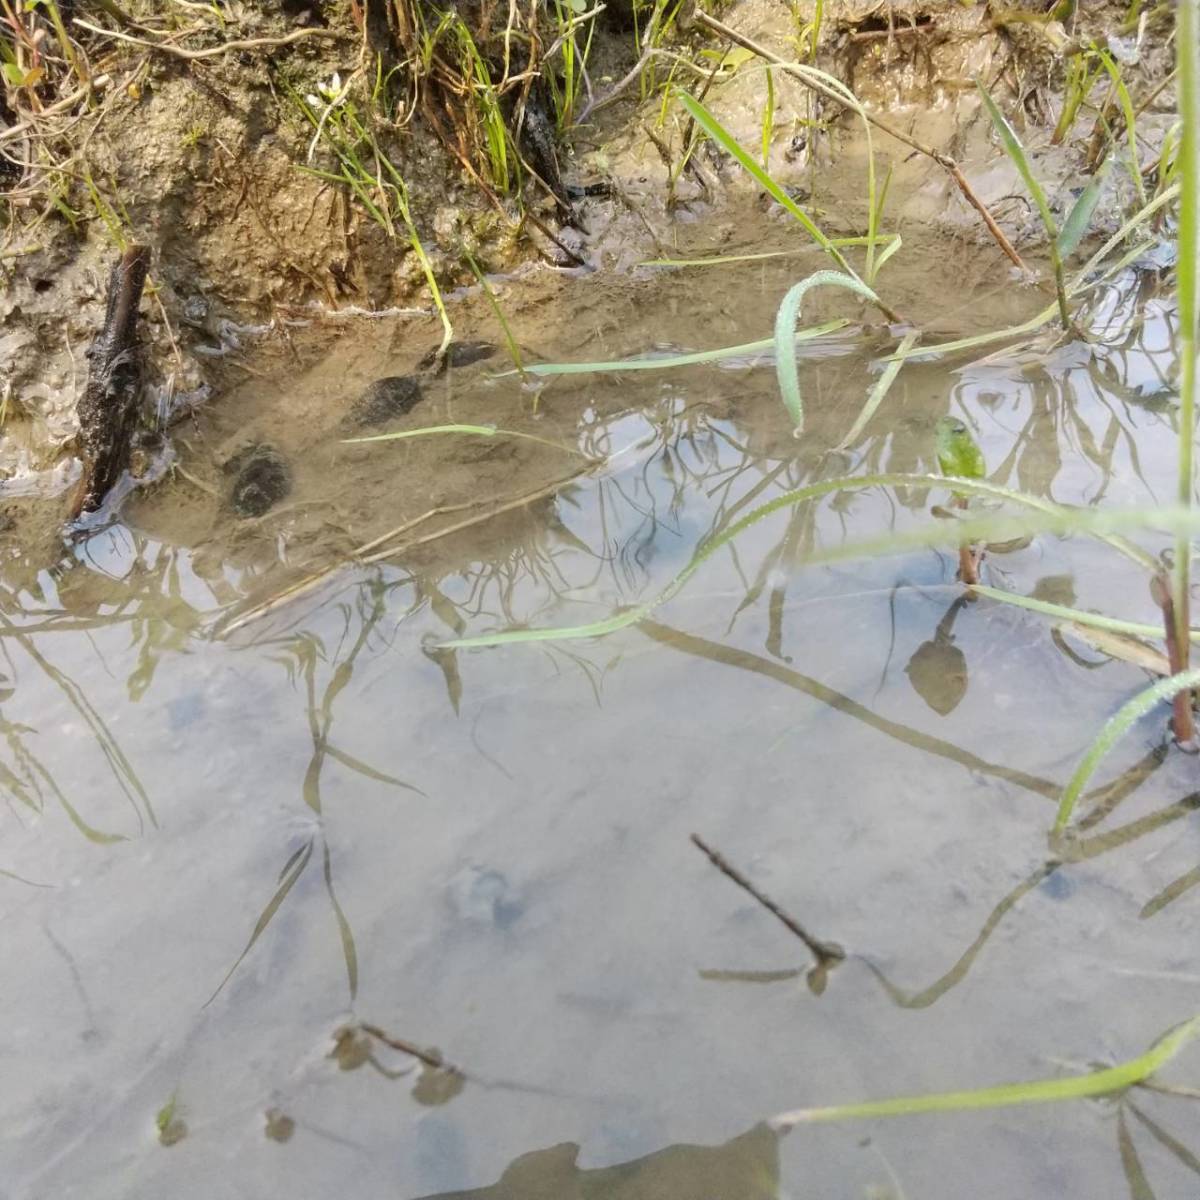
(385,399)
(263,479)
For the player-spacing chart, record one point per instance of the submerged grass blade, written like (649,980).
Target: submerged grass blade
(349,951)
(879,392)
(1114,729)
(667,361)
(785,335)
(891,241)
(1042,1091)
(291,873)
(475,430)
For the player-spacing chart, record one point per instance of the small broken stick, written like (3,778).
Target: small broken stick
(108,408)
(827,954)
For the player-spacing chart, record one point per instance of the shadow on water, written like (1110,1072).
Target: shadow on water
(495,842)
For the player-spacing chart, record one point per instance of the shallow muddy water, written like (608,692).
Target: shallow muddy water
(224,842)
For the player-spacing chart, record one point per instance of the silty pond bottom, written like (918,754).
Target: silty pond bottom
(231,849)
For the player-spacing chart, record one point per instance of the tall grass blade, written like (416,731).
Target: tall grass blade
(1079,219)
(731,145)
(785,335)
(1042,1091)
(1016,152)
(1187,283)
(1114,729)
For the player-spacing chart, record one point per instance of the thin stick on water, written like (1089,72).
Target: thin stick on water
(827,954)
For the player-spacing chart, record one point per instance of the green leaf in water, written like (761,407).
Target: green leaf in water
(1114,729)
(1042,1091)
(785,335)
(958,453)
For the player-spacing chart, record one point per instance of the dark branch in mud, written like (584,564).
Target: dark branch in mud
(108,409)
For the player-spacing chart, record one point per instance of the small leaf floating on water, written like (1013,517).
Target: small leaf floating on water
(351,1048)
(279,1126)
(170,1125)
(437,1085)
(958,454)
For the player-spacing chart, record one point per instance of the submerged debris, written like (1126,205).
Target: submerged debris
(263,479)
(385,399)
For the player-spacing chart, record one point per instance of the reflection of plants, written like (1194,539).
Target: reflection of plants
(300,654)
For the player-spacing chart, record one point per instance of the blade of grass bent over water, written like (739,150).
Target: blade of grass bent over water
(1114,729)
(785,335)
(1041,1091)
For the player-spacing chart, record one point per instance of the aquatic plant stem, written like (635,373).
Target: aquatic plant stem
(1099,1083)
(943,160)
(1187,41)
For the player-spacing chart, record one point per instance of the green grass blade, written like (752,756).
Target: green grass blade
(785,335)
(882,386)
(1042,1091)
(1062,613)
(667,361)
(1187,289)
(1016,151)
(1135,170)
(727,142)
(1114,729)
(1079,219)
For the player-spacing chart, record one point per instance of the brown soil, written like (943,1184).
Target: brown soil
(201,162)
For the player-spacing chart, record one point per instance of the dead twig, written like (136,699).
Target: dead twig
(943,160)
(827,954)
(212,51)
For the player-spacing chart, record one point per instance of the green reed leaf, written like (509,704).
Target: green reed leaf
(785,335)
(1042,1091)
(1114,729)
(667,361)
